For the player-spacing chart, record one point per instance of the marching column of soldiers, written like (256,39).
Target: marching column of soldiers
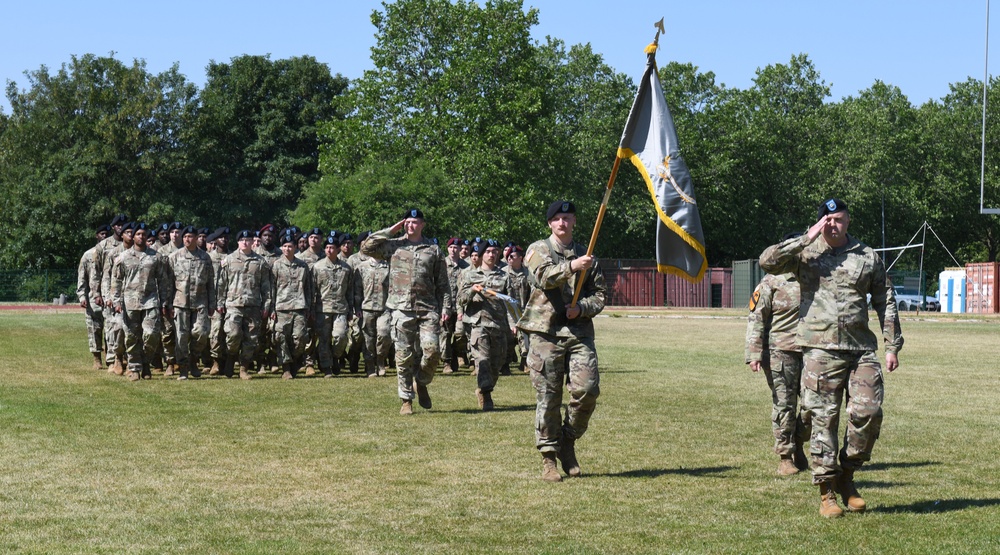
(173,300)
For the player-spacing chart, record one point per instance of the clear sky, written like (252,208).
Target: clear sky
(917,45)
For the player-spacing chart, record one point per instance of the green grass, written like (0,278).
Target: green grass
(677,460)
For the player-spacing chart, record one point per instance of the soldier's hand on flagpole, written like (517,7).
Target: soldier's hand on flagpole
(583,263)
(573,312)
(891,361)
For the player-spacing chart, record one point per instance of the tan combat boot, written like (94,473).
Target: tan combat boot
(133,376)
(97,361)
(567,456)
(119,368)
(214,371)
(828,507)
(169,370)
(310,371)
(407,408)
(287,374)
(244,375)
(786,466)
(852,499)
(549,471)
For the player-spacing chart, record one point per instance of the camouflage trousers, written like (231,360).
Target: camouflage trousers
(193,328)
(143,329)
(489,348)
(114,335)
(554,361)
(413,330)
(291,335)
(94,316)
(790,425)
(515,342)
(447,338)
(216,339)
(355,338)
(243,328)
(376,327)
(169,342)
(331,334)
(826,377)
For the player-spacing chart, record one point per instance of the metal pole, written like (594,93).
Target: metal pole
(982,161)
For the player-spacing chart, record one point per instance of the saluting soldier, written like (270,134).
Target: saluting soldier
(244,285)
(140,291)
(561,346)
(293,304)
(418,293)
(193,302)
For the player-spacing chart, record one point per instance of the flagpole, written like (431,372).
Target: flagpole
(597,229)
(607,192)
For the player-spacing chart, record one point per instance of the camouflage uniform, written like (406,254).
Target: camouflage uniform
(561,351)
(355,337)
(334,306)
(418,291)
(487,320)
(293,302)
(266,353)
(93,314)
(194,302)
(244,285)
(521,290)
(370,290)
(168,347)
(838,346)
(216,339)
(448,336)
(141,286)
(771,327)
(114,330)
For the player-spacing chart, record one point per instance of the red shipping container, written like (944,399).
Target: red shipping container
(981,293)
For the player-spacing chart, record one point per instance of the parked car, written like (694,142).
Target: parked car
(911,299)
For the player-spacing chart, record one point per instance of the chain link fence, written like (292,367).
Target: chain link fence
(37,286)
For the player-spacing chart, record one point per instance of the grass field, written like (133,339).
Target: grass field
(677,460)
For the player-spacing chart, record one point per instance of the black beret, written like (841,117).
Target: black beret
(103,228)
(189,230)
(560,207)
(413,213)
(363,235)
(120,219)
(492,243)
(219,232)
(466,242)
(163,228)
(478,247)
(175,225)
(128,225)
(143,226)
(289,237)
(204,231)
(435,241)
(315,231)
(332,240)
(344,237)
(477,240)
(510,244)
(243,234)
(294,229)
(831,206)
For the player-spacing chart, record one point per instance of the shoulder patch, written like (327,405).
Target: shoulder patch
(754,299)
(529,255)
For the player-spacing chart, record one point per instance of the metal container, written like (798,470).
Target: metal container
(981,295)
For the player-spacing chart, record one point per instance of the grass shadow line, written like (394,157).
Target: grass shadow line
(657,472)
(939,506)
(888,465)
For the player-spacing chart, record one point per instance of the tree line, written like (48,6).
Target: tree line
(469,118)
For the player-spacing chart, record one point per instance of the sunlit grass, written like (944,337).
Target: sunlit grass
(677,459)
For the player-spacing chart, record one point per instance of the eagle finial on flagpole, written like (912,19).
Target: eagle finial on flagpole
(656,40)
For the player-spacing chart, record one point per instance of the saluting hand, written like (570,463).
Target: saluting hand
(817,228)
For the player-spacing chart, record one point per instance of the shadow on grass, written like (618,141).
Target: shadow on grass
(939,506)
(657,472)
(888,465)
(498,408)
(876,484)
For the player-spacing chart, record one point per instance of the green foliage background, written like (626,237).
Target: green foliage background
(467,117)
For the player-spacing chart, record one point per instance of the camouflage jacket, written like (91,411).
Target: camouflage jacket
(553,283)
(835,284)
(310,257)
(774,317)
(371,283)
(268,255)
(293,285)
(84,274)
(519,282)
(167,249)
(455,270)
(104,257)
(245,280)
(418,277)
(335,289)
(480,308)
(141,281)
(194,279)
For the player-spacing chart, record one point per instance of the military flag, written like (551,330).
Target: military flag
(650,143)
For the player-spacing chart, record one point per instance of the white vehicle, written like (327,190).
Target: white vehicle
(911,299)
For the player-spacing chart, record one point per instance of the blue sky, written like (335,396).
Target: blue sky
(917,45)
